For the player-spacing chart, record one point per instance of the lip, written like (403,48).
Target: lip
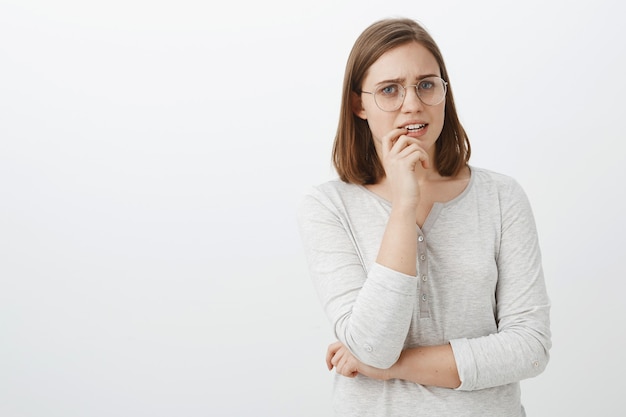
(412,122)
(415,133)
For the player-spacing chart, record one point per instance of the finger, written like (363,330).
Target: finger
(411,150)
(425,160)
(402,143)
(423,156)
(348,367)
(337,357)
(416,154)
(390,139)
(341,367)
(330,353)
(404,140)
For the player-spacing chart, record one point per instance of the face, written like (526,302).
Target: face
(407,65)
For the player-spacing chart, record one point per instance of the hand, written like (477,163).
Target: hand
(344,362)
(402,156)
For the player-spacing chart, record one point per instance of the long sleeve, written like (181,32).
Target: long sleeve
(520,347)
(369,306)
(480,288)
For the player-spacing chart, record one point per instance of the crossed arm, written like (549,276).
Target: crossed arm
(428,365)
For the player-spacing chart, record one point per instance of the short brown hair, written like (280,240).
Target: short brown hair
(354,155)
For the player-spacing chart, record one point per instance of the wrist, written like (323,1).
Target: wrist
(390,373)
(405,210)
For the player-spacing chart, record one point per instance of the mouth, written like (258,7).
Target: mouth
(415,127)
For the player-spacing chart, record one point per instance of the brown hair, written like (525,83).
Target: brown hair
(354,155)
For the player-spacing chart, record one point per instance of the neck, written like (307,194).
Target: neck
(426,174)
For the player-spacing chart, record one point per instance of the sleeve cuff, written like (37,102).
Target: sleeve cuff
(392,280)
(465,364)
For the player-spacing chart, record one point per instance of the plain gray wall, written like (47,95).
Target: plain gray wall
(152,155)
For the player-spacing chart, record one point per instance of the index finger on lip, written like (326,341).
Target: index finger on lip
(390,138)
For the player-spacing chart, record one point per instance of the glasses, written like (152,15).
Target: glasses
(389,97)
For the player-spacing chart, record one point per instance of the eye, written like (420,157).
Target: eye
(426,84)
(389,90)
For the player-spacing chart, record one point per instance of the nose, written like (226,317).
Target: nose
(412,101)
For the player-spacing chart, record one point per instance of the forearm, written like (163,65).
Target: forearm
(379,319)
(398,247)
(427,365)
(369,306)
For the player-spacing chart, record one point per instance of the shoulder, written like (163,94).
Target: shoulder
(487,176)
(335,191)
(332,196)
(497,182)
(509,195)
(334,187)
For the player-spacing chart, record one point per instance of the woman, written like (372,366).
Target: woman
(429,269)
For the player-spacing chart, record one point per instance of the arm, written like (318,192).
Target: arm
(429,365)
(520,347)
(402,157)
(369,305)
(518,350)
(370,309)
(398,249)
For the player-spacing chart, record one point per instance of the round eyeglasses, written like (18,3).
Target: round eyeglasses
(389,97)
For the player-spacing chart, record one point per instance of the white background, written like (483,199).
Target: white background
(152,154)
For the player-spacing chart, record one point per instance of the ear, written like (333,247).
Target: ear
(357,106)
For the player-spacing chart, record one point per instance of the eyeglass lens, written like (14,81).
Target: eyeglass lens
(431,91)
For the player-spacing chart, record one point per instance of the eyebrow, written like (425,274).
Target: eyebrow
(401,80)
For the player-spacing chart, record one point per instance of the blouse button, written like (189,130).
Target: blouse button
(424,278)
(420,238)
(422,257)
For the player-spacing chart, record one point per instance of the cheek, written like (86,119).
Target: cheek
(438,116)
(380,125)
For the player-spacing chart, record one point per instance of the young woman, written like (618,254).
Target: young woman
(429,269)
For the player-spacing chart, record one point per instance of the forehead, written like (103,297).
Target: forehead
(408,62)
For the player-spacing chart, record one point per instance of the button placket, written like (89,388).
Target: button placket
(423,269)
